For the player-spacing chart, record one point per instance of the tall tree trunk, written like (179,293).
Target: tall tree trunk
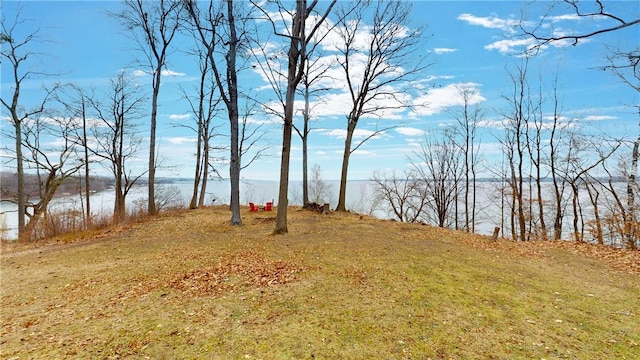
(514,203)
(205,172)
(202,137)
(541,207)
(22,199)
(119,208)
(283,202)
(466,174)
(193,204)
(543,225)
(594,196)
(474,178)
(87,178)
(345,166)
(576,213)
(629,221)
(283,191)
(152,141)
(305,137)
(296,59)
(119,211)
(232,79)
(558,216)
(234,168)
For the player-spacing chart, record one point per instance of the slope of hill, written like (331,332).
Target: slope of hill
(338,286)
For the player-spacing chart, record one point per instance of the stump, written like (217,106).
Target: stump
(323,209)
(496,232)
(326,209)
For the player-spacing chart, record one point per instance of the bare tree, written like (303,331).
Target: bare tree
(378,56)
(302,37)
(319,190)
(620,230)
(623,63)
(514,146)
(467,119)
(220,35)
(204,108)
(586,10)
(252,136)
(437,165)
(406,196)
(114,135)
(315,73)
(75,102)
(51,146)
(168,197)
(594,186)
(580,166)
(16,50)
(153,25)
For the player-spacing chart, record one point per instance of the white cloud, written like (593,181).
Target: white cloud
(342,133)
(508,46)
(444,50)
(599,117)
(167,72)
(138,73)
(565,17)
(181,140)
(439,99)
(492,124)
(409,131)
(179,116)
(491,22)
(437,77)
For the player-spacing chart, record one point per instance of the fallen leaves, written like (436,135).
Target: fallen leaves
(244,269)
(625,260)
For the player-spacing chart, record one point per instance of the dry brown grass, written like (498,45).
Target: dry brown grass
(189,285)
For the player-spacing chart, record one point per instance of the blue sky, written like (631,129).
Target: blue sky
(469,45)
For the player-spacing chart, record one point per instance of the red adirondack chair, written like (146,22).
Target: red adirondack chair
(253,207)
(268,206)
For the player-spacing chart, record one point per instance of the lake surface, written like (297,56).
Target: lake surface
(359,195)
(360,199)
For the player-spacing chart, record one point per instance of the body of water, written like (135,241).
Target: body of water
(218,192)
(360,199)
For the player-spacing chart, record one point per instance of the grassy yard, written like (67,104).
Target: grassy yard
(189,286)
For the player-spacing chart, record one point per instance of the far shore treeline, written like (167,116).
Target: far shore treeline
(71,185)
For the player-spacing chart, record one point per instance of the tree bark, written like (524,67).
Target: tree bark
(630,220)
(87,178)
(151,209)
(345,166)
(232,79)
(21,193)
(305,137)
(296,59)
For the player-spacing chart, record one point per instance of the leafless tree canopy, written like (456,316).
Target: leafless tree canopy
(596,10)
(387,63)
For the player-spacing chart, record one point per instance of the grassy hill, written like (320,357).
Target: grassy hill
(189,286)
